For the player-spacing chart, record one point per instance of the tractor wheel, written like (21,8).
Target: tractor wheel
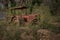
(35,22)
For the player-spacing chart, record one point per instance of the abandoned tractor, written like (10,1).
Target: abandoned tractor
(25,19)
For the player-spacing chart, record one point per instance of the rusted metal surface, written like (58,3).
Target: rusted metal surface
(18,8)
(26,18)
